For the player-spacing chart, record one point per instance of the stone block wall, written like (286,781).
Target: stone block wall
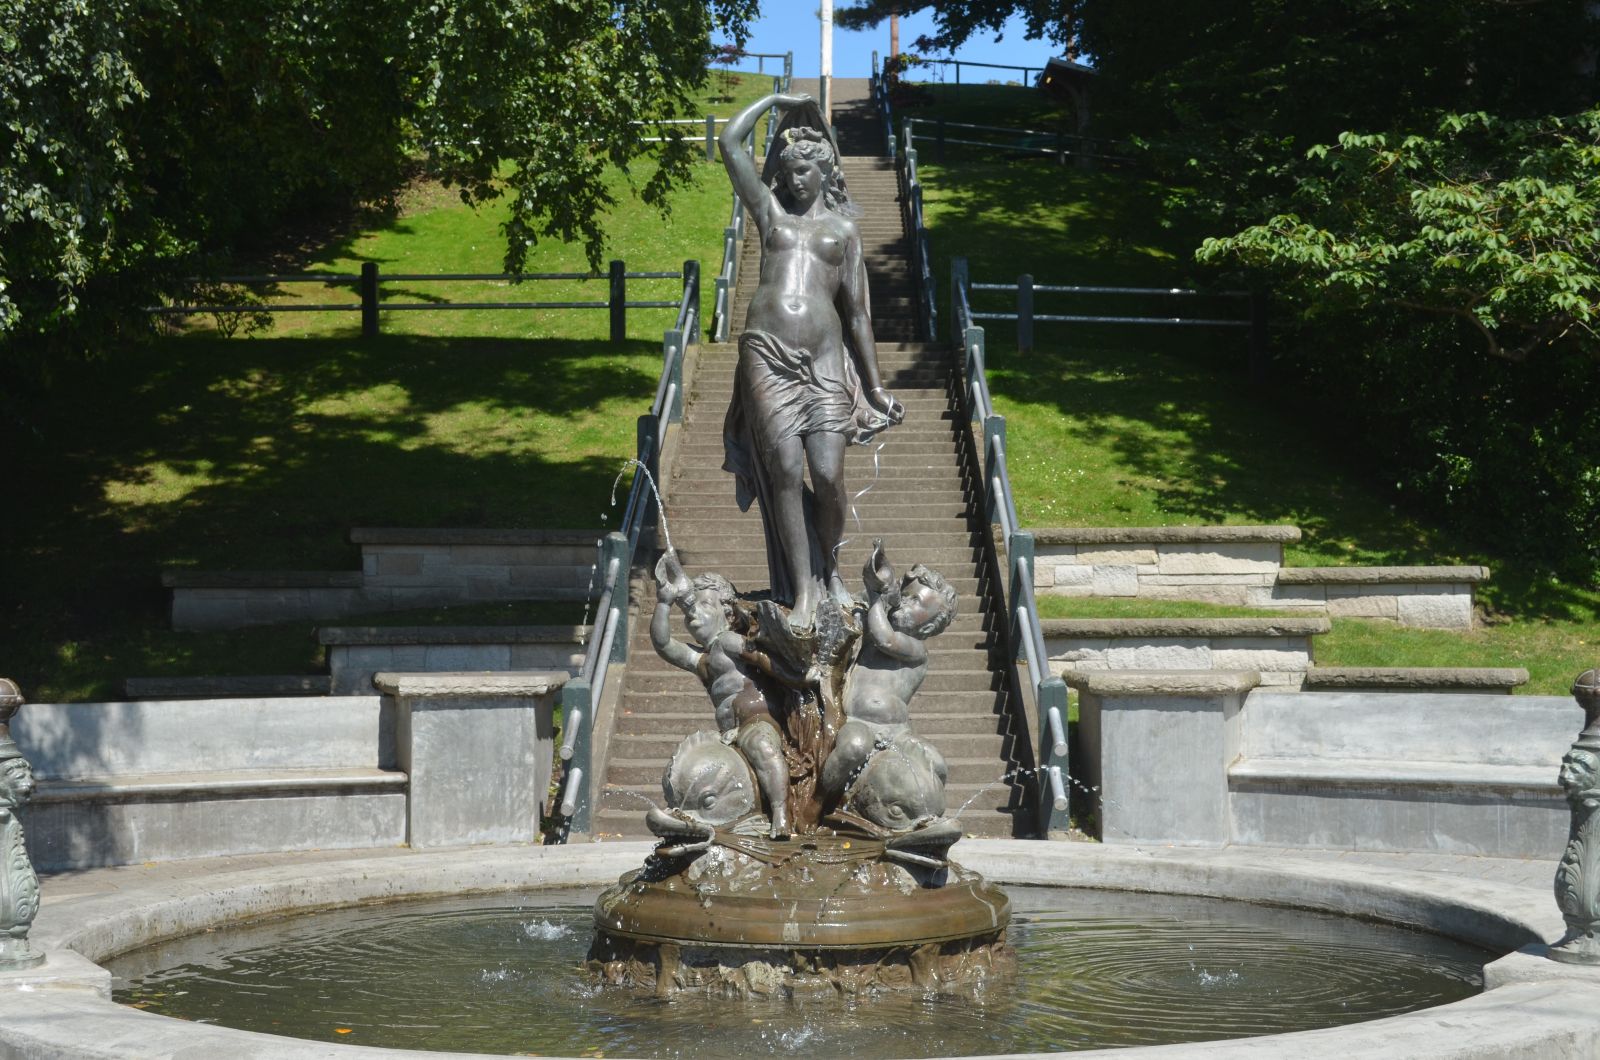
(124,783)
(427,566)
(1428,597)
(401,569)
(1278,650)
(1242,566)
(356,653)
(1217,564)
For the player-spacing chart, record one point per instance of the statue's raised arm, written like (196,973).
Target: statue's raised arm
(747,183)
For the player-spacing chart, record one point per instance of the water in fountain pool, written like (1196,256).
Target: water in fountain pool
(502,974)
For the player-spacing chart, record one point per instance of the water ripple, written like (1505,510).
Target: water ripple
(500,975)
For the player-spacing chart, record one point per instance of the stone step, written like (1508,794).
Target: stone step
(628,823)
(885,494)
(938,680)
(642,771)
(691,711)
(621,807)
(689,525)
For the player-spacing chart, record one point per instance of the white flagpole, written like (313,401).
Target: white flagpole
(827,61)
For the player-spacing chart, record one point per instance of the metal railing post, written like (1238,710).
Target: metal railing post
(1054,805)
(958,284)
(1025,313)
(940,153)
(615,545)
(619,301)
(711,138)
(369,299)
(994,440)
(575,709)
(646,431)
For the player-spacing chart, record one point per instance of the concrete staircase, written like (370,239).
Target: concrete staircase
(921,478)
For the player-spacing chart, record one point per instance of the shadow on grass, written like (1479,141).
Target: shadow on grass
(263,453)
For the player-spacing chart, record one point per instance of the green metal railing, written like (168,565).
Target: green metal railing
(1047,691)
(608,640)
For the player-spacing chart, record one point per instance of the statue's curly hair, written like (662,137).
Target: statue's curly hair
(947,599)
(803,143)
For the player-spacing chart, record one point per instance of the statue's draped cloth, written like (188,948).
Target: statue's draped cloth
(779,392)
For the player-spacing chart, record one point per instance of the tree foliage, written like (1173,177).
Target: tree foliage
(141,135)
(956,21)
(1493,222)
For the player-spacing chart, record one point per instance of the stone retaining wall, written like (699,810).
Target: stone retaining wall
(125,783)
(452,566)
(401,569)
(356,653)
(1242,566)
(1353,770)
(1279,649)
(1219,564)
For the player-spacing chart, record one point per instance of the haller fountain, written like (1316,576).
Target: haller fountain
(806,846)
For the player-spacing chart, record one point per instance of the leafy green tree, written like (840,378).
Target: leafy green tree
(141,135)
(955,21)
(1489,221)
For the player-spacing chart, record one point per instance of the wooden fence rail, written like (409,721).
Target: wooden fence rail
(368,284)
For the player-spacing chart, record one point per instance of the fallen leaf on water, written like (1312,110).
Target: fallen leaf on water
(341,1030)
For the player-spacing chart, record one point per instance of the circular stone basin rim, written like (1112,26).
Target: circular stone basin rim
(1554,1006)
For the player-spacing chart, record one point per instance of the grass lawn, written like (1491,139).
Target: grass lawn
(1007,106)
(1155,426)
(262,451)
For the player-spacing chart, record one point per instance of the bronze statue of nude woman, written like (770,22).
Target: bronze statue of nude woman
(807,384)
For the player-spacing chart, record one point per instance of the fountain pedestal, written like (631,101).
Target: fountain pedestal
(752,915)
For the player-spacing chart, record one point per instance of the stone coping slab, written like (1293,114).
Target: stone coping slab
(1293,626)
(444,535)
(1381,575)
(261,579)
(1418,678)
(470,683)
(1161,535)
(1162,682)
(247,686)
(405,635)
(1370,773)
(233,782)
(1541,1009)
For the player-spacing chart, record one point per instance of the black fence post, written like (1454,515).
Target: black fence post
(1259,350)
(941,140)
(958,284)
(619,301)
(711,138)
(1024,313)
(369,299)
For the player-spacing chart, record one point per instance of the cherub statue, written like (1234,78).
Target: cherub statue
(732,669)
(891,667)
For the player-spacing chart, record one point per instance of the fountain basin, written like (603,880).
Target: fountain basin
(1532,1007)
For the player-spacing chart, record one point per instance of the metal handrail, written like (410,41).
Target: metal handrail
(1049,692)
(608,638)
(916,226)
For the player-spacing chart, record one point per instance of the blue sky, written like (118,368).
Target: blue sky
(792,25)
